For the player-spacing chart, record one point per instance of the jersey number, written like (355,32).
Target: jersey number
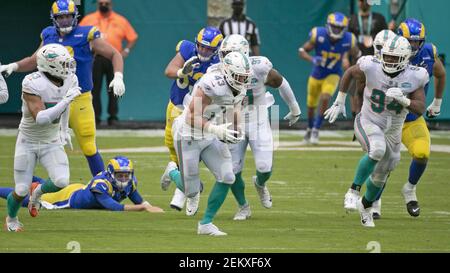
(378,103)
(332,56)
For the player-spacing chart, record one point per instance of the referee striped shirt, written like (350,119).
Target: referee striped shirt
(245,27)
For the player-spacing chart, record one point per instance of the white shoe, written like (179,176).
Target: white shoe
(192,205)
(13,224)
(209,229)
(409,192)
(243,213)
(178,200)
(351,199)
(165,178)
(366,215)
(264,194)
(314,137)
(376,209)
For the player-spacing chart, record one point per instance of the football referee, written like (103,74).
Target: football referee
(238,23)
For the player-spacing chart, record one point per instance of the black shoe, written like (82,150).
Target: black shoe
(113,122)
(175,207)
(376,216)
(413,208)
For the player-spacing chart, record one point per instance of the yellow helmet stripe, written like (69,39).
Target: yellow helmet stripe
(405,30)
(332,19)
(422,32)
(71,6)
(115,164)
(216,40)
(55,8)
(345,21)
(200,35)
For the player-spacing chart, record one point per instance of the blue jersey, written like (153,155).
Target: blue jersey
(425,58)
(330,52)
(100,188)
(181,87)
(77,42)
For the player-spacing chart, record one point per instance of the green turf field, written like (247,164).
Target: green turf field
(307,215)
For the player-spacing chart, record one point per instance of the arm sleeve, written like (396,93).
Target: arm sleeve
(136,198)
(108,203)
(287,94)
(49,115)
(3,90)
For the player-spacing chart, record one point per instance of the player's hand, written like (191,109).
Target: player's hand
(434,109)
(188,67)
(8,69)
(317,60)
(117,85)
(294,114)
(68,138)
(152,209)
(72,93)
(338,107)
(397,94)
(223,133)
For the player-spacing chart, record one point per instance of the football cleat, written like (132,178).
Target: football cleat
(314,137)
(351,199)
(165,178)
(178,200)
(376,209)
(243,213)
(34,205)
(307,137)
(209,229)
(264,194)
(409,193)
(13,225)
(366,214)
(192,205)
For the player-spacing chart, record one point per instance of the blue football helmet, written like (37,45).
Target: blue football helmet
(64,7)
(413,30)
(207,43)
(121,170)
(337,24)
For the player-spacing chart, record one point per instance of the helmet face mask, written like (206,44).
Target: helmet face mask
(336,32)
(395,55)
(207,43)
(55,59)
(121,171)
(237,71)
(64,14)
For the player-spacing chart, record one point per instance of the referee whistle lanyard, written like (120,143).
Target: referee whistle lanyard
(365,38)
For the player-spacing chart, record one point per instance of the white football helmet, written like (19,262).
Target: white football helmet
(55,59)
(234,42)
(380,39)
(237,71)
(395,54)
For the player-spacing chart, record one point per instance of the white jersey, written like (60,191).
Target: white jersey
(222,104)
(379,109)
(3,90)
(38,84)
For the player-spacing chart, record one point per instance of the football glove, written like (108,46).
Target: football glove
(188,67)
(117,85)
(223,133)
(8,69)
(294,114)
(317,60)
(397,94)
(434,109)
(338,107)
(72,93)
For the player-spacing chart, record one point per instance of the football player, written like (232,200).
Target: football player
(393,88)
(105,191)
(82,42)
(46,95)
(332,45)
(187,66)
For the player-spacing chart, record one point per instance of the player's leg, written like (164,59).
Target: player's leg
(312,100)
(25,160)
(238,188)
(377,180)
(82,121)
(416,138)
(372,140)
(189,158)
(217,158)
(262,149)
(54,159)
(4,193)
(329,86)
